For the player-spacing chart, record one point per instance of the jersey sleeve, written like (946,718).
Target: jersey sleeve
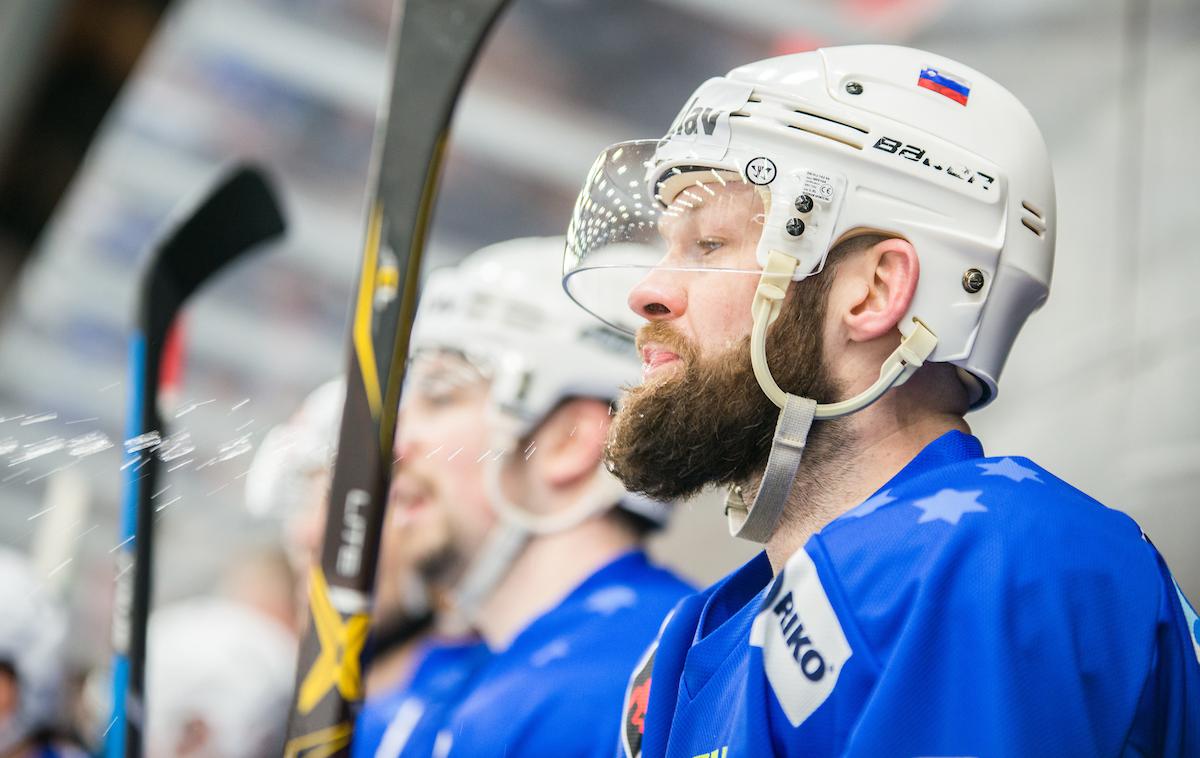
(1169,712)
(1004,641)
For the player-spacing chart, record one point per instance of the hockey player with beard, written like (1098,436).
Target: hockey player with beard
(289,481)
(511,515)
(414,660)
(891,213)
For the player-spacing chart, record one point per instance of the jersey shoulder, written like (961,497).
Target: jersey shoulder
(444,670)
(626,609)
(988,570)
(998,540)
(557,689)
(1009,512)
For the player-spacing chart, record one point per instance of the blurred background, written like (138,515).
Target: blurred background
(111,111)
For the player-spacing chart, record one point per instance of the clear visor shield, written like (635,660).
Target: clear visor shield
(436,377)
(643,229)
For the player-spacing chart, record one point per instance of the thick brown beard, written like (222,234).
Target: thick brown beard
(442,568)
(713,424)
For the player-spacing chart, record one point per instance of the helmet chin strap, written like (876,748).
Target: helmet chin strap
(757,522)
(515,527)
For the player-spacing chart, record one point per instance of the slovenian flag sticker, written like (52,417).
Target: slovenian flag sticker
(954,87)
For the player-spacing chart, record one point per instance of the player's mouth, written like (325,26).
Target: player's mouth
(410,497)
(656,358)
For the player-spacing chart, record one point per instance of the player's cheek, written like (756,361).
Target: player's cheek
(724,307)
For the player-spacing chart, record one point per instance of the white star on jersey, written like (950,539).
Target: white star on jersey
(550,652)
(949,505)
(1009,469)
(611,599)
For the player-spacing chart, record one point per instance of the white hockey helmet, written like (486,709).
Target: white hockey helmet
(830,144)
(870,137)
(291,453)
(222,664)
(32,644)
(504,309)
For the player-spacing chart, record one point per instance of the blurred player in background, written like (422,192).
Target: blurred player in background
(289,480)
(219,679)
(261,577)
(505,505)
(892,213)
(419,663)
(32,649)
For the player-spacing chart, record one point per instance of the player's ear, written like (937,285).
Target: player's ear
(875,288)
(570,443)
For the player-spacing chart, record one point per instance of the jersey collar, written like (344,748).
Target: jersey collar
(952,447)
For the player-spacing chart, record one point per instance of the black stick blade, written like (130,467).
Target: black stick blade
(234,215)
(238,212)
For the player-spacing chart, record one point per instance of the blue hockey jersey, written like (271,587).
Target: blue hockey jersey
(971,607)
(556,690)
(444,671)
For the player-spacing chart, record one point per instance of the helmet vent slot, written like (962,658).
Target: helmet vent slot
(827,135)
(810,114)
(1035,223)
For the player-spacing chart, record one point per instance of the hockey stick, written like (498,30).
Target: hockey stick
(235,215)
(435,43)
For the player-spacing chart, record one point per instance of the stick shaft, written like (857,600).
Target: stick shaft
(435,43)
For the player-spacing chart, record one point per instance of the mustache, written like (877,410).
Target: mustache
(661,332)
(408,483)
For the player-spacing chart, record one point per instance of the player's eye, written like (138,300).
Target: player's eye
(441,398)
(438,391)
(708,245)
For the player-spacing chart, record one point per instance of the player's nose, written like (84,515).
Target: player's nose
(407,439)
(658,297)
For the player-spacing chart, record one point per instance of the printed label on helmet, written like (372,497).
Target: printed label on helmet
(919,156)
(945,83)
(817,185)
(761,171)
(701,130)
(803,647)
